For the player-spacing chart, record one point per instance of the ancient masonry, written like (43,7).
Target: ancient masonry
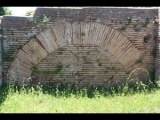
(86,45)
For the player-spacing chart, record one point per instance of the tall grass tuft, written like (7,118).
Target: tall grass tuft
(70,90)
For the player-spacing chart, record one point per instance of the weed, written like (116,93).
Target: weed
(127,23)
(51,98)
(137,29)
(77,73)
(155,37)
(146,22)
(156,22)
(25,29)
(32,37)
(123,27)
(152,75)
(46,72)
(127,72)
(113,68)
(36,22)
(111,77)
(84,58)
(58,69)
(134,26)
(34,68)
(60,53)
(100,64)
(12,32)
(31,19)
(97,60)
(129,20)
(106,71)
(43,19)
(83,34)
(92,76)
(60,50)
(154,51)
(91,18)
(139,60)
(146,38)
(19,47)
(7,55)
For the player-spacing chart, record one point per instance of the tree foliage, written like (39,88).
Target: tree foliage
(5,11)
(29,12)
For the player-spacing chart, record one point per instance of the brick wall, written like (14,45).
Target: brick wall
(82,65)
(130,22)
(0,51)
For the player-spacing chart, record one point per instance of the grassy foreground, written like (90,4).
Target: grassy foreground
(137,99)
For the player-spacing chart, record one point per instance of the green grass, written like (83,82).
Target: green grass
(139,98)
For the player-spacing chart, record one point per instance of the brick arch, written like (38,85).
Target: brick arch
(83,33)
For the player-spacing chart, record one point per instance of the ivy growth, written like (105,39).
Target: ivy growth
(8,55)
(46,72)
(58,69)
(146,22)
